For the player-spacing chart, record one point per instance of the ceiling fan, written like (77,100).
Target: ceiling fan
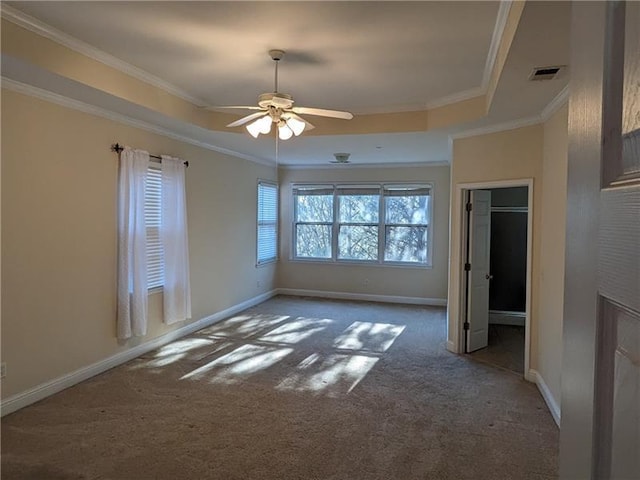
(276,107)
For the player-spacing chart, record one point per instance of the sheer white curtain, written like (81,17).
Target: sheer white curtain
(175,242)
(132,244)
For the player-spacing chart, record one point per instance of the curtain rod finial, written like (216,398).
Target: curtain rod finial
(116,147)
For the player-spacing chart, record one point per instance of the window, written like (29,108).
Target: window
(406,223)
(384,223)
(267,244)
(153,241)
(314,221)
(358,214)
(153,220)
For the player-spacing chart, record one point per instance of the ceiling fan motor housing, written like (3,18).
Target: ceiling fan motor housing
(278,100)
(276,54)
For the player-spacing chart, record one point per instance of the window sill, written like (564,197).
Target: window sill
(351,263)
(264,264)
(155,290)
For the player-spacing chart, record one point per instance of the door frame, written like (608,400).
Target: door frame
(458,335)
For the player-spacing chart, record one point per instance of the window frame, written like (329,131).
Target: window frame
(270,183)
(338,188)
(385,224)
(382,224)
(296,223)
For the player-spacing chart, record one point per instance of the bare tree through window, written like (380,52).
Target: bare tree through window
(368,223)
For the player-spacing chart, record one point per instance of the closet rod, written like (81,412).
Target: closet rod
(116,147)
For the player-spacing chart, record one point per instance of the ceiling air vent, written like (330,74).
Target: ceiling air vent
(545,73)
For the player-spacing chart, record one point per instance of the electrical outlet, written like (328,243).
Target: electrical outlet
(3,370)
(258,284)
(365,282)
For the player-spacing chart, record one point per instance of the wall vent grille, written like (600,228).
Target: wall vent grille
(546,73)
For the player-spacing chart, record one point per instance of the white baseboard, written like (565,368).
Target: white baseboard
(39,392)
(507,318)
(554,407)
(439,302)
(451,346)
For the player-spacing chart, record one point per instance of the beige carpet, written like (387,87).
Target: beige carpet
(293,388)
(505,348)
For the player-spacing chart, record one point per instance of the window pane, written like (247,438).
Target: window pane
(359,208)
(314,208)
(358,242)
(267,202)
(410,209)
(313,241)
(406,244)
(267,247)
(153,221)
(267,244)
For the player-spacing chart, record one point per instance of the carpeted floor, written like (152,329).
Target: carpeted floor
(505,349)
(294,388)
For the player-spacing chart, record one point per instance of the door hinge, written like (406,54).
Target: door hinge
(467,267)
(466,325)
(469,207)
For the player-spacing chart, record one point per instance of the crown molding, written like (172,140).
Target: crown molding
(554,105)
(40,28)
(415,107)
(435,103)
(498,127)
(547,112)
(496,38)
(348,166)
(455,97)
(71,103)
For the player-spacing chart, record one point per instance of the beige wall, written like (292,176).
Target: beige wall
(368,279)
(509,155)
(59,237)
(554,206)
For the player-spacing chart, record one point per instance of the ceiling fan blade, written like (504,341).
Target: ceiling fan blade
(288,114)
(247,119)
(235,107)
(321,112)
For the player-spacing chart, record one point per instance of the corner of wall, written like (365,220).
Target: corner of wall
(552,403)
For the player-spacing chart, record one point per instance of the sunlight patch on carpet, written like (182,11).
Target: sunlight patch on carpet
(244,325)
(192,349)
(335,374)
(369,337)
(239,364)
(296,330)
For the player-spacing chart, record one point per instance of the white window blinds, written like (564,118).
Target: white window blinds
(267,244)
(152,215)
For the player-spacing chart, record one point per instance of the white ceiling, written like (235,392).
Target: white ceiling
(360,56)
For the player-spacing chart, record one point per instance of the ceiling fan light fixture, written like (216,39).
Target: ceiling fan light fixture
(296,126)
(276,107)
(253,129)
(284,132)
(262,125)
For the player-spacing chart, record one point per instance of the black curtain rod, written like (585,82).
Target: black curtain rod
(116,147)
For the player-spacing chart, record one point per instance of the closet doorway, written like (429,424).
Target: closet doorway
(496,275)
